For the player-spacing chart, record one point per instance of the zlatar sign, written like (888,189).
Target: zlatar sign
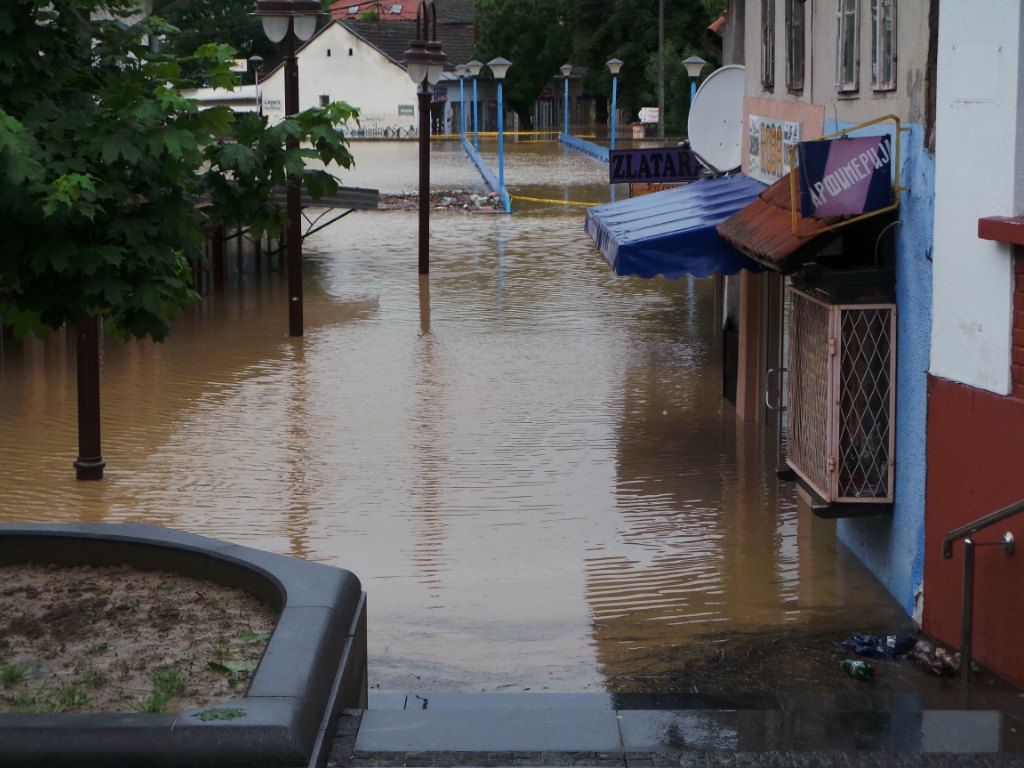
(648,165)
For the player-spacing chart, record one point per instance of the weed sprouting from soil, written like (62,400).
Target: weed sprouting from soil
(11,675)
(116,639)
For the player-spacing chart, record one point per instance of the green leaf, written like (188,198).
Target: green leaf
(116,147)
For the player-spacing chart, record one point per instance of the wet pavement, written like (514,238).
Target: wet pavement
(819,729)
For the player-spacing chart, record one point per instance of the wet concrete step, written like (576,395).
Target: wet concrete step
(595,729)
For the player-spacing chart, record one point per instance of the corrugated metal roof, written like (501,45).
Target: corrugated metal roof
(672,233)
(764,229)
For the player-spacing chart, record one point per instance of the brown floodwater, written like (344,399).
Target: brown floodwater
(525,459)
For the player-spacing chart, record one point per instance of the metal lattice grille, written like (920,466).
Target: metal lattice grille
(841,398)
(864,450)
(808,390)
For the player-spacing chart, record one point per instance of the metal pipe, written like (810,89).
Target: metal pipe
(967,615)
(476,129)
(501,149)
(294,199)
(615,87)
(424,104)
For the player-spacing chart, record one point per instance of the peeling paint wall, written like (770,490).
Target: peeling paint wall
(892,548)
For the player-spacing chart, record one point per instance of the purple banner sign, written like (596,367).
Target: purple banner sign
(845,176)
(652,165)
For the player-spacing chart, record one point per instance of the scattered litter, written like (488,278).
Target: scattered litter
(936,660)
(924,653)
(876,647)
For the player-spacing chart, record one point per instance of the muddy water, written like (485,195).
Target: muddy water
(524,458)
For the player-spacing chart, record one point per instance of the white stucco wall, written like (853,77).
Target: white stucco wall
(353,71)
(979,148)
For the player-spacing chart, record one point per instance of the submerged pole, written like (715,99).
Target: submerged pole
(89,464)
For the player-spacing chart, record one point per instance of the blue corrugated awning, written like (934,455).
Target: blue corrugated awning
(673,233)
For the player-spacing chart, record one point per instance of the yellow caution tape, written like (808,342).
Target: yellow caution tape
(554,202)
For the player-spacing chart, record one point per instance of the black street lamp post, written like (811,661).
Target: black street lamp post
(291,20)
(425,64)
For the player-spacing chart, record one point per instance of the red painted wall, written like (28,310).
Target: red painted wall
(975,466)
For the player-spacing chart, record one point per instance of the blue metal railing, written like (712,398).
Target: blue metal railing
(584,146)
(488,175)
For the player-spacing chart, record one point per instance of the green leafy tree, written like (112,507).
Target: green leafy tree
(628,30)
(532,35)
(230,22)
(108,174)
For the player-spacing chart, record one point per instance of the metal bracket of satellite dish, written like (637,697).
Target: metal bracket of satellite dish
(715,122)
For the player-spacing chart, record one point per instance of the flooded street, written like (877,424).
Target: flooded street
(525,459)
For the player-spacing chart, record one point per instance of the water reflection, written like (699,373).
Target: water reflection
(524,458)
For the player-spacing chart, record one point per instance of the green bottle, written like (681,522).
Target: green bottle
(861,670)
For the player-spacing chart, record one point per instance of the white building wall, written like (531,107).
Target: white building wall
(979,172)
(343,67)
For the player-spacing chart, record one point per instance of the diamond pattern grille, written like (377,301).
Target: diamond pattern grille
(808,390)
(865,402)
(841,395)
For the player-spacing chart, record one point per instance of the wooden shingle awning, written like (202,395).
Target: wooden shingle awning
(764,229)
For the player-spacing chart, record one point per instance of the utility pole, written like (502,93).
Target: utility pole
(661,69)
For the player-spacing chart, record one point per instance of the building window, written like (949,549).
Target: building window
(768,43)
(883,45)
(795,45)
(847,45)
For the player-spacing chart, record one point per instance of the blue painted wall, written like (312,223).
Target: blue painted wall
(892,548)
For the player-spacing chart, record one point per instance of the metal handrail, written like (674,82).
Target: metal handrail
(982,522)
(966,531)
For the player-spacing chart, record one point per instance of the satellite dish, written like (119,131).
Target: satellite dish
(715,125)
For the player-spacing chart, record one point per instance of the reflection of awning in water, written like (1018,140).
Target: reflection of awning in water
(673,233)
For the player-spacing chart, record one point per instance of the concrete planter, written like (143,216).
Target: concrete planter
(314,664)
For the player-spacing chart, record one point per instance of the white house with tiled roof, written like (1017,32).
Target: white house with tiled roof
(361,63)
(339,65)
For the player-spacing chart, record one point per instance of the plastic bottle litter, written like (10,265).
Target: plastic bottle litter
(860,670)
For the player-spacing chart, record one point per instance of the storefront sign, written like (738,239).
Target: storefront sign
(845,176)
(648,114)
(440,94)
(650,165)
(271,105)
(769,142)
(406,110)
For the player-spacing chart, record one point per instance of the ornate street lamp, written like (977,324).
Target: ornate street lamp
(566,70)
(693,65)
(614,65)
(460,70)
(473,68)
(499,68)
(256,62)
(425,64)
(291,20)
